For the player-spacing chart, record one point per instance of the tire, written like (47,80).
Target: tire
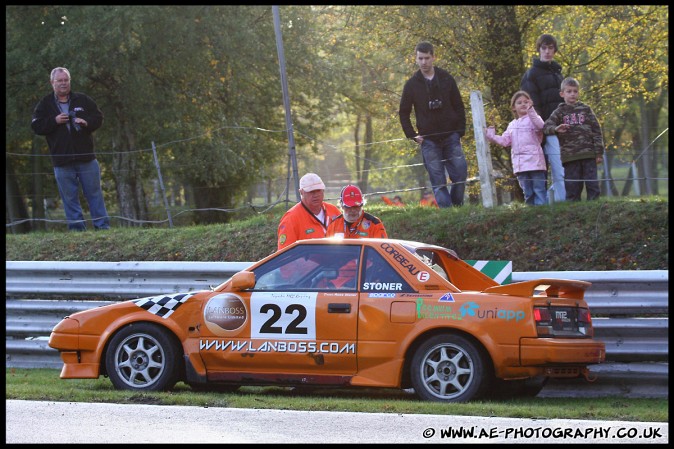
(143,357)
(449,368)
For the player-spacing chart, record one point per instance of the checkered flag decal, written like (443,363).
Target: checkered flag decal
(163,305)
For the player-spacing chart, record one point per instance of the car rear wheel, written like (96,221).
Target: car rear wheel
(143,356)
(448,368)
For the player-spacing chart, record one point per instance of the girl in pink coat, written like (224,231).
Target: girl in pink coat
(524,136)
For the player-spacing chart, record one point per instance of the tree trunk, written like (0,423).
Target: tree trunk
(503,75)
(209,198)
(367,154)
(645,159)
(129,182)
(356,149)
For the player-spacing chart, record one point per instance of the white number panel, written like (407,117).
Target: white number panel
(283,316)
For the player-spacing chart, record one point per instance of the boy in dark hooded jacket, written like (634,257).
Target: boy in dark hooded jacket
(542,82)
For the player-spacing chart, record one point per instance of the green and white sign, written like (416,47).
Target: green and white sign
(499,270)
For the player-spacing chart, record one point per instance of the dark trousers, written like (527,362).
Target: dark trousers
(581,173)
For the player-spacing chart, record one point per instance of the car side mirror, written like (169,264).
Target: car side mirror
(243,280)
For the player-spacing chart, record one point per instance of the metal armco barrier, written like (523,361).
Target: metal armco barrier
(629,308)
(115,279)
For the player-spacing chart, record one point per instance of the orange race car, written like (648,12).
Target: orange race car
(361,312)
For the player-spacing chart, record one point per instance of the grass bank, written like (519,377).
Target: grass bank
(608,234)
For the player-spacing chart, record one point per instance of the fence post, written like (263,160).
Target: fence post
(487,186)
(607,177)
(161,184)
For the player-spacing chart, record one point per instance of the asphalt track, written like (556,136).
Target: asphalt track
(36,422)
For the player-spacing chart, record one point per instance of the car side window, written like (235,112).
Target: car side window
(380,276)
(311,267)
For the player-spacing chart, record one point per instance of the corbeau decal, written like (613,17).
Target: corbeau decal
(408,265)
(225,314)
(163,305)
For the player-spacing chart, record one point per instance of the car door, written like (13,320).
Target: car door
(387,313)
(301,316)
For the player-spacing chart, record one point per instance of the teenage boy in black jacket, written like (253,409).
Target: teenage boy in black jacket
(441,122)
(542,82)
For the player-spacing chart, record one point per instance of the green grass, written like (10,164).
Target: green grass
(607,234)
(45,385)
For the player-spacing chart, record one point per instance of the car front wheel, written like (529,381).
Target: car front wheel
(143,356)
(448,368)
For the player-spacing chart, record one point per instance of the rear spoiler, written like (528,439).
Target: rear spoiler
(556,288)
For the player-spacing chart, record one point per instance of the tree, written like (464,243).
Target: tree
(201,85)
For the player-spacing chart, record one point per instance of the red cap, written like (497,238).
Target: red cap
(351,196)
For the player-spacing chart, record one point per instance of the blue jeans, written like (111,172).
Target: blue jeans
(533,186)
(68,180)
(553,154)
(446,155)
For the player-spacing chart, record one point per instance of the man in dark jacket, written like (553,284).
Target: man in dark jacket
(441,122)
(542,82)
(67,119)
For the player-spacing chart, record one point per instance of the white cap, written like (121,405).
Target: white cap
(311,182)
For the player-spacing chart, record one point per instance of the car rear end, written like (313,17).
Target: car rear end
(564,344)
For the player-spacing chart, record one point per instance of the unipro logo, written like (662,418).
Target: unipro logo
(225,314)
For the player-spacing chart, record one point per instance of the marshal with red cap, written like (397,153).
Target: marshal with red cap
(351,196)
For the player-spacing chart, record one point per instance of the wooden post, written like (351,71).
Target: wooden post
(487,185)
(161,184)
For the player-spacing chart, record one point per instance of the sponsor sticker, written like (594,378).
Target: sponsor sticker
(277,346)
(423,276)
(474,310)
(447,297)
(400,258)
(225,314)
(436,312)
(398,286)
